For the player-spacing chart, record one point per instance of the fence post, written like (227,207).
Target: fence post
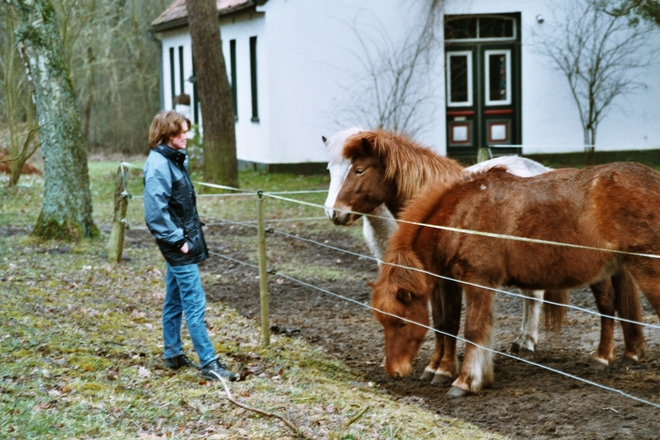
(263,270)
(116,241)
(483,154)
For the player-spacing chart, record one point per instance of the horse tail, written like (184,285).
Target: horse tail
(555,313)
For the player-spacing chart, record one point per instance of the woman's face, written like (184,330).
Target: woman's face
(179,141)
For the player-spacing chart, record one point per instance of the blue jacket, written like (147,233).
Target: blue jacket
(170,207)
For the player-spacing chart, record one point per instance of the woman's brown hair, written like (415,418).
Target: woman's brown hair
(165,126)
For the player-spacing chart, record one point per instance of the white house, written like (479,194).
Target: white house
(298,68)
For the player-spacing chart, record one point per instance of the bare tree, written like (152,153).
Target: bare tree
(603,57)
(66,211)
(392,90)
(16,104)
(220,163)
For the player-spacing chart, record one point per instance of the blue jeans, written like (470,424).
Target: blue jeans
(184,296)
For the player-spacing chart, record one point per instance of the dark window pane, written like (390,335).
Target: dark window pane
(253,79)
(495,28)
(459,78)
(460,28)
(232,63)
(497,77)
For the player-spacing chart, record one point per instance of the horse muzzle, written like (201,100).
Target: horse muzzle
(341,216)
(398,371)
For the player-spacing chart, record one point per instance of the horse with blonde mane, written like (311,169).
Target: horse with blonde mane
(606,217)
(377,172)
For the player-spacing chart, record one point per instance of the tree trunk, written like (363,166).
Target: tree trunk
(66,212)
(220,164)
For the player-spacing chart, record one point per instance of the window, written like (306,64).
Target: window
(181,77)
(459,79)
(461,28)
(232,64)
(172,76)
(498,77)
(253,78)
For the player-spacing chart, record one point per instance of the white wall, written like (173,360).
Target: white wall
(313,58)
(309,56)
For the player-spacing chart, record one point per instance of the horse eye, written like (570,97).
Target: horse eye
(402,324)
(359,171)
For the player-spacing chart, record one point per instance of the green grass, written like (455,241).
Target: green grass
(80,344)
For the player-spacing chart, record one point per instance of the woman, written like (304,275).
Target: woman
(171,215)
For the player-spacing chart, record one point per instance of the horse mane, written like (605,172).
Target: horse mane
(394,274)
(413,165)
(334,145)
(425,204)
(421,207)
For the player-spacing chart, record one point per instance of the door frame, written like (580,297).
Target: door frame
(479,122)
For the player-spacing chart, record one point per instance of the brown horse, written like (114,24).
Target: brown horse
(385,168)
(609,211)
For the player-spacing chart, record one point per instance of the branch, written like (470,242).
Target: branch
(356,417)
(25,146)
(297,431)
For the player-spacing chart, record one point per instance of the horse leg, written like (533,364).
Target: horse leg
(477,369)
(604,294)
(627,304)
(446,308)
(438,351)
(525,344)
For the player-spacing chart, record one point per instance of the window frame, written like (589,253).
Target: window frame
(470,78)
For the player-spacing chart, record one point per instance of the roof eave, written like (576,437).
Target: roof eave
(183,21)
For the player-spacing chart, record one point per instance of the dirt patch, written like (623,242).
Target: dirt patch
(525,401)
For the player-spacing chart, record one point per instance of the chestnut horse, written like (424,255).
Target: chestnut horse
(607,213)
(378,172)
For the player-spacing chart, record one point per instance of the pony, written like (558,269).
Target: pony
(607,214)
(377,172)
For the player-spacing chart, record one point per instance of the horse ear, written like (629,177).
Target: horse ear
(404,296)
(325,140)
(367,147)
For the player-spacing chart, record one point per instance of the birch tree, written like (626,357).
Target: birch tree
(66,212)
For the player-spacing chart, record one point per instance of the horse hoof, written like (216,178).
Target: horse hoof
(441,379)
(628,361)
(525,353)
(456,392)
(599,364)
(427,376)
(515,347)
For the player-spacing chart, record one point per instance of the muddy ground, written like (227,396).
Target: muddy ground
(525,401)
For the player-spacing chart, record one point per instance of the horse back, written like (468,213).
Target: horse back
(609,206)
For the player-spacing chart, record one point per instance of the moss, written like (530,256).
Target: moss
(67,230)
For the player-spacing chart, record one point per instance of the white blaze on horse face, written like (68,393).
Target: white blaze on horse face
(338,172)
(338,165)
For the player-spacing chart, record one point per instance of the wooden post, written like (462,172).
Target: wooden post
(116,241)
(483,154)
(263,270)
